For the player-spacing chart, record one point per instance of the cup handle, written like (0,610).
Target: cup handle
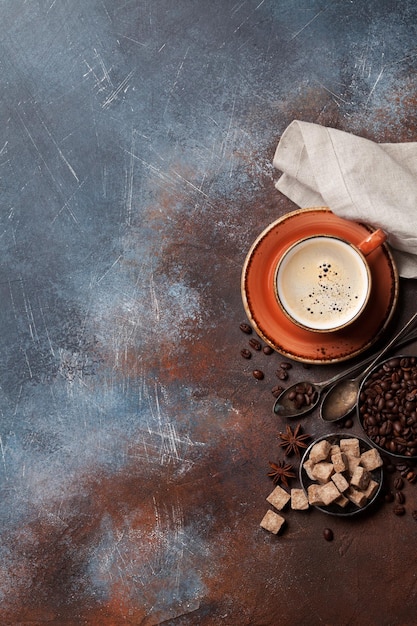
(373,241)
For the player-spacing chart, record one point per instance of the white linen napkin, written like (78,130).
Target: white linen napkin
(357,179)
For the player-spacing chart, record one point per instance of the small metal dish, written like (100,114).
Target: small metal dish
(387,406)
(351,508)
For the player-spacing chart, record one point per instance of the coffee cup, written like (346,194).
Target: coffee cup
(323,282)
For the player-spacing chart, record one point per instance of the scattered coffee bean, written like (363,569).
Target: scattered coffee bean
(405,472)
(277,390)
(388,407)
(267,350)
(328,534)
(402,467)
(285,365)
(282,374)
(258,374)
(245,328)
(400,497)
(246,353)
(399,509)
(255,344)
(411,477)
(346,423)
(399,483)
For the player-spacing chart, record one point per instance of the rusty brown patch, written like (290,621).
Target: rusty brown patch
(214,499)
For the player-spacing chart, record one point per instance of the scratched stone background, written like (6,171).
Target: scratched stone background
(135,172)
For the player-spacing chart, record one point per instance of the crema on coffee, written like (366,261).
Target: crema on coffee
(322,282)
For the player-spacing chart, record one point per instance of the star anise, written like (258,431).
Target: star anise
(280,472)
(292,440)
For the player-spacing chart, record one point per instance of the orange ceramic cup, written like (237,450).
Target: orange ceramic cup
(323,282)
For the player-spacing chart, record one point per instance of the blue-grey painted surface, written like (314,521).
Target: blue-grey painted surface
(136,153)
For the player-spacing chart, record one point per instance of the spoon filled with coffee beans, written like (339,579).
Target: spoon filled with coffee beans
(340,390)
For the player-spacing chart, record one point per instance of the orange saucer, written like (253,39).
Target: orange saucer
(265,315)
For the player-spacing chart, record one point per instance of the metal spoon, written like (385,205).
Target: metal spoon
(284,406)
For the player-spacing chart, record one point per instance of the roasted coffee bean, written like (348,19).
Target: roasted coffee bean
(348,423)
(285,365)
(328,534)
(385,428)
(399,509)
(267,350)
(282,374)
(255,344)
(300,398)
(400,497)
(411,477)
(277,390)
(245,328)
(246,353)
(398,483)
(258,374)
(401,467)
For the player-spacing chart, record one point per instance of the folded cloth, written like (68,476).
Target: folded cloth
(357,179)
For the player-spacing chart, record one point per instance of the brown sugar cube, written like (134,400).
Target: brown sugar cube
(360,478)
(308,467)
(329,493)
(272,522)
(352,462)
(320,451)
(334,448)
(371,459)
(341,501)
(278,498)
(314,495)
(339,461)
(371,489)
(357,497)
(299,500)
(350,446)
(322,471)
(340,482)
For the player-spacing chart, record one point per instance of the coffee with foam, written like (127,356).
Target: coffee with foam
(323,283)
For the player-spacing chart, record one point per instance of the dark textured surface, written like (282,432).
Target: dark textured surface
(135,172)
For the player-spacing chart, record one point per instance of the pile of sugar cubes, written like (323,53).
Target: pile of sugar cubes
(340,474)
